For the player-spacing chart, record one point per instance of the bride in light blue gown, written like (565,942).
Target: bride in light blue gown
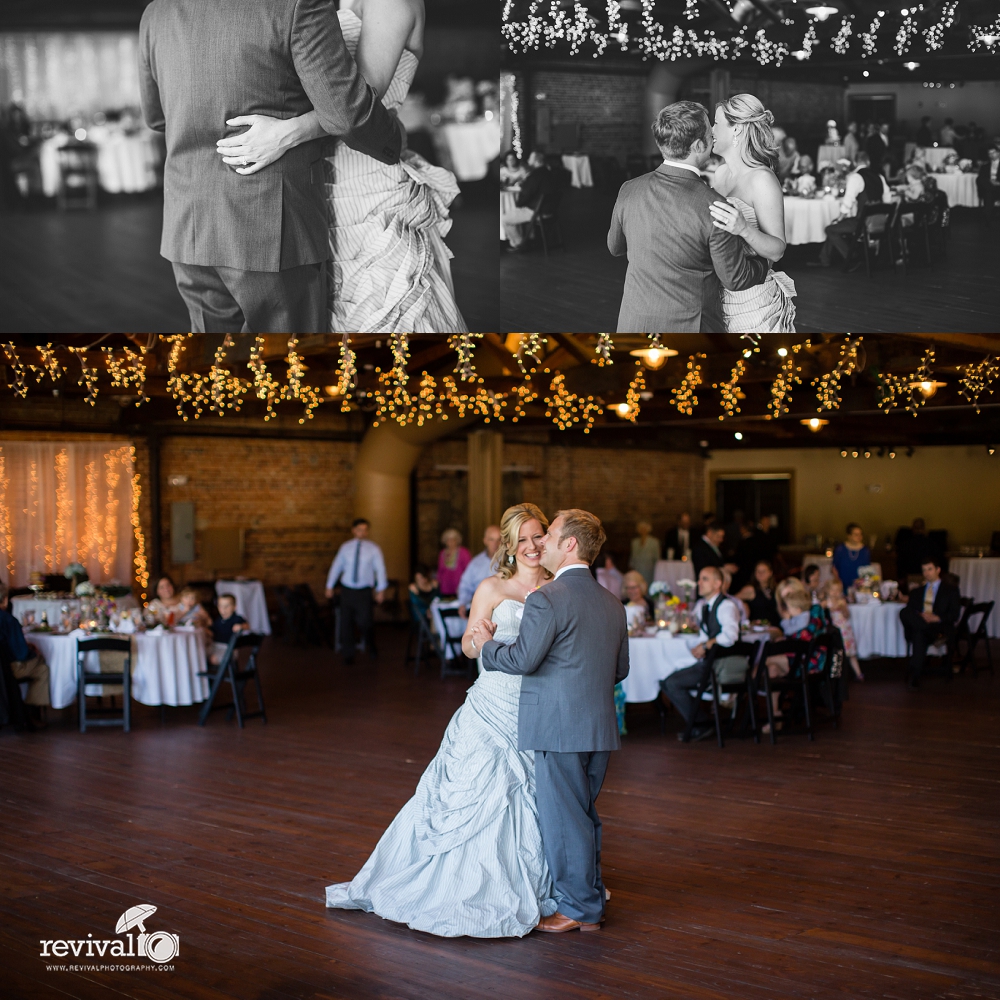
(464,856)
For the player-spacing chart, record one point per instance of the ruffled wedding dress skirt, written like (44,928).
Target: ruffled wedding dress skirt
(464,856)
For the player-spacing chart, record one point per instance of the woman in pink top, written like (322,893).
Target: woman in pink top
(452,561)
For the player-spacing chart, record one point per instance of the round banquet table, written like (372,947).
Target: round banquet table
(877,629)
(806,219)
(980,580)
(52,606)
(164,666)
(451,638)
(934,156)
(672,571)
(579,168)
(250,602)
(472,146)
(960,189)
(125,162)
(825,564)
(508,202)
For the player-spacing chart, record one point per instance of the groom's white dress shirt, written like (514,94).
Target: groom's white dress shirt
(566,569)
(683,166)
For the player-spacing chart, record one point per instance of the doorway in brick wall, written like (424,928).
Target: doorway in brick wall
(756,496)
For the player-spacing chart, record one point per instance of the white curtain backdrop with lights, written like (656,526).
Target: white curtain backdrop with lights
(63,503)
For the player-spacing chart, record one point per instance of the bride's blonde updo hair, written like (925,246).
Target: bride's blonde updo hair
(761,147)
(505,561)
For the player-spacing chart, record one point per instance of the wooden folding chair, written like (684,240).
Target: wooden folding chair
(230,671)
(450,647)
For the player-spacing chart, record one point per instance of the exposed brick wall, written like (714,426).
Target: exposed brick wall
(608,106)
(293,497)
(621,487)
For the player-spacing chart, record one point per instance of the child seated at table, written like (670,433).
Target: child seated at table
(190,612)
(833,599)
(223,628)
(423,590)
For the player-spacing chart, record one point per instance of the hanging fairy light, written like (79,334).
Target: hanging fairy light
(978,377)
(869,38)
(907,30)
(88,375)
(602,352)
(225,390)
(297,389)
(684,396)
(186,388)
(789,375)
(629,410)
(828,385)
(266,387)
(464,345)
(934,35)
(6,532)
(566,409)
(986,36)
(841,40)
(531,345)
(139,559)
(729,390)
(509,97)
(19,368)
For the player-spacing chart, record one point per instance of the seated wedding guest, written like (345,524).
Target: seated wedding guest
(424,589)
(931,613)
(511,170)
(810,580)
(480,567)
(540,183)
(719,622)
(850,555)
(937,200)
(864,186)
(988,181)
(609,576)
(851,145)
(947,134)
(913,187)
(678,538)
(924,136)
(832,598)
(635,597)
(759,595)
(788,159)
(452,560)
(801,618)
(26,664)
(167,601)
(190,612)
(806,167)
(707,551)
(645,552)
(224,626)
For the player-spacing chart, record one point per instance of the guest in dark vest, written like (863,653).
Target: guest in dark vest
(719,619)
(930,614)
(865,186)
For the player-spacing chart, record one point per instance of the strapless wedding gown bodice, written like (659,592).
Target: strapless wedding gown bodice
(464,856)
(391,269)
(764,308)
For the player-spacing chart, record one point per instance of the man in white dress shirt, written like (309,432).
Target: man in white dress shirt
(719,618)
(479,568)
(360,570)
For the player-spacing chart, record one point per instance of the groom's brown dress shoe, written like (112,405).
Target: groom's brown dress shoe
(558,923)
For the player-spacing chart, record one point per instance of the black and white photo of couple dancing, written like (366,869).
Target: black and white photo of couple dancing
(304,187)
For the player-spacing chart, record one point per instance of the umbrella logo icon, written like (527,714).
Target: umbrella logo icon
(160,946)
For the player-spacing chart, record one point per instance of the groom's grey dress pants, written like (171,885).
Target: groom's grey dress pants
(227,300)
(566,789)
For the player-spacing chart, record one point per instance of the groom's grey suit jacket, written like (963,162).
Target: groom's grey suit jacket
(202,62)
(678,260)
(572,649)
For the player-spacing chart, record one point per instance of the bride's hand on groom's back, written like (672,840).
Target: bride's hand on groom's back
(263,143)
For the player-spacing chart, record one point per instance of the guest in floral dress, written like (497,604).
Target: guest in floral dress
(835,602)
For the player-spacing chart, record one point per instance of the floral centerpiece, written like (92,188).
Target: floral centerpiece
(805,186)
(866,585)
(76,574)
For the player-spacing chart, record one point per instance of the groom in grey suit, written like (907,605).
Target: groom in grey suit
(250,251)
(571,650)
(678,260)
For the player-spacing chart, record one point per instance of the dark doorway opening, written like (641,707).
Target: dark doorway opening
(759,495)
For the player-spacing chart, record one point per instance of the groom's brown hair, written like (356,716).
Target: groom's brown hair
(586,529)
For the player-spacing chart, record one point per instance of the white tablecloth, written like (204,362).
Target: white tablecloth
(250,602)
(124,162)
(472,146)
(980,579)
(878,630)
(830,154)
(960,189)
(825,564)
(933,156)
(508,202)
(806,219)
(53,607)
(456,626)
(579,167)
(671,572)
(164,667)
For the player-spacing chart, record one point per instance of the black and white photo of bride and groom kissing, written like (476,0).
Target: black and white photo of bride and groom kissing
(502,836)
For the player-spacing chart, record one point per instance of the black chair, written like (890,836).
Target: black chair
(317,622)
(872,234)
(450,647)
(939,223)
(980,635)
(797,651)
(292,615)
(827,682)
(912,232)
(77,175)
(544,222)
(85,678)
(419,630)
(12,709)
(236,676)
(747,650)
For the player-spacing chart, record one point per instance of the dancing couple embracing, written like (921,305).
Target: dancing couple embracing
(502,835)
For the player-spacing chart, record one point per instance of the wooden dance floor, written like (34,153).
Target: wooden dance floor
(864,864)
(101,271)
(580,288)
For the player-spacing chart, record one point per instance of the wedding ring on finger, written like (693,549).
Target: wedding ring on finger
(243,160)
